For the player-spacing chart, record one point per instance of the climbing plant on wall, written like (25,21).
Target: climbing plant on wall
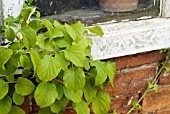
(55,66)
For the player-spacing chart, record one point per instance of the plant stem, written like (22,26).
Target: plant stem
(11,82)
(153,82)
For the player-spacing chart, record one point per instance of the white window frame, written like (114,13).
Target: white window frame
(120,39)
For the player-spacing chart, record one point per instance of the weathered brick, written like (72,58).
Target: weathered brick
(138,59)
(163,111)
(123,104)
(35,107)
(165,77)
(155,101)
(132,81)
(26,105)
(70,111)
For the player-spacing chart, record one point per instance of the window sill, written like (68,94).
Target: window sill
(133,37)
(124,38)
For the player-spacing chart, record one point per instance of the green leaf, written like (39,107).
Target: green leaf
(85,43)
(14,46)
(36,25)
(4,57)
(48,68)
(61,42)
(150,85)
(70,30)
(57,24)
(62,61)
(10,34)
(91,75)
(9,78)
(76,55)
(114,111)
(26,12)
(88,52)
(48,94)
(167,68)
(103,85)
(59,105)
(57,32)
(139,107)
(45,111)
(81,108)
(40,40)
(26,61)
(80,29)
(97,30)
(60,90)
(29,2)
(5,105)
(38,15)
(18,99)
(101,104)
(67,37)
(87,64)
(89,92)
(4,87)
(9,20)
(35,58)
(74,79)
(16,110)
(2,49)
(49,27)
(111,72)
(75,96)
(29,37)
(49,44)
(12,64)
(136,105)
(89,41)
(26,73)
(156,88)
(101,72)
(24,86)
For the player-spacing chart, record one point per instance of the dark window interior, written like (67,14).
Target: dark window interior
(89,11)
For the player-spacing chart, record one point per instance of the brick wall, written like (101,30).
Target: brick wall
(133,74)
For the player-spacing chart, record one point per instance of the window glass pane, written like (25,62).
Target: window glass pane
(94,11)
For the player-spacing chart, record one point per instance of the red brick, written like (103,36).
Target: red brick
(163,111)
(131,81)
(165,77)
(35,107)
(155,101)
(70,111)
(138,59)
(26,105)
(123,104)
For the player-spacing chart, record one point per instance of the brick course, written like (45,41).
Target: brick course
(165,77)
(123,104)
(155,101)
(138,59)
(132,81)
(163,111)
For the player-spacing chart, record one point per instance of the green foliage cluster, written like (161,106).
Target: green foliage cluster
(56,66)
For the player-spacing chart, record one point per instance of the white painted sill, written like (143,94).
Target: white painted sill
(133,37)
